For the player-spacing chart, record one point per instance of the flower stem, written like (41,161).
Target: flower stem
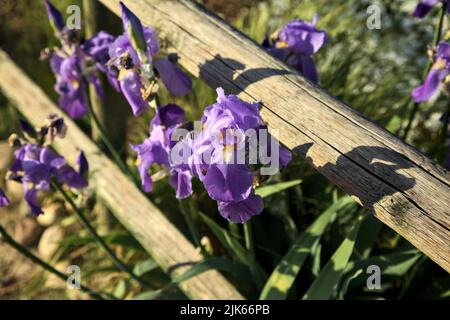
(437,38)
(411,117)
(119,264)
(187,212)
(234,229)
(24,251)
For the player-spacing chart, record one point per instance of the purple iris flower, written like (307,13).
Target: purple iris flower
(296,43)
(437,75)
(35,166)
(231,184)
(156,149)
(69,85)
(425,6)
(4,201)
(214,152)
(134,54)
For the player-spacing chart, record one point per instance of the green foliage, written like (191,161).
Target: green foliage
(324,285)
(270,189)
(198,268)
(283,277)
(237,250)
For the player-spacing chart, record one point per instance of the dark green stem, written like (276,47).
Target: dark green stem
(187,212)
(248,236)
(411,117)
(234,229)
(437,38)
(119,264)
(7,238)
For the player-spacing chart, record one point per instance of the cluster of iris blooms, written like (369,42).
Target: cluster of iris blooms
(36,165)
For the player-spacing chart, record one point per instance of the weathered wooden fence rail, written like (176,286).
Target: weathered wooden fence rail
(405,190)
(156,234)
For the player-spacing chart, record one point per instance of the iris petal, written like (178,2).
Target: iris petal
(225,182)
(176,81)
(431,85)
(4,201)
(242,211)
(131,86)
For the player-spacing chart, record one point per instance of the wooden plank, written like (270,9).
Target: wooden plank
(401,186)
(151,228)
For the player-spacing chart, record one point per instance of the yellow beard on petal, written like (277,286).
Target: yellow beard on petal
(75,84)
(439,64)
(447,79)
(138,161)
(256,181)
(228,151)
(123,73)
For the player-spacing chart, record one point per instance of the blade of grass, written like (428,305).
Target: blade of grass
(325,284)
(393,265)
(216,263)
(270,189)
(143,267)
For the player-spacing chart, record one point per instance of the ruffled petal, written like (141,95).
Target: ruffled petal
(302,37)
(242,211)
(169,115)
(431,85)
(228,183)
(74,103)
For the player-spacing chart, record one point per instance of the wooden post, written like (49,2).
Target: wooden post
(113,120)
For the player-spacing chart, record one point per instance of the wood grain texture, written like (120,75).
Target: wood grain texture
(157,235)
(403,188)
